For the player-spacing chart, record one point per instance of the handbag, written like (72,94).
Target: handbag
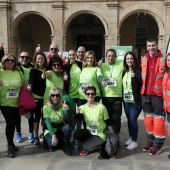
(26,100)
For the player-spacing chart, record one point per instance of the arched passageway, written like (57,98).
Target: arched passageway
(86,30)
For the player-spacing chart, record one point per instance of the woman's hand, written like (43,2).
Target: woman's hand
(43,75)
(65,76)
(100,62)
(54,140)
(77,109)
(65,106)
(29,87)
(132,73)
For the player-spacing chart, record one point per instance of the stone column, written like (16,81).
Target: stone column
(58,24)
(113,12)
(4,28)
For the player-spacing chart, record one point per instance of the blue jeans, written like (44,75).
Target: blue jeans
(132,112)
(63,133)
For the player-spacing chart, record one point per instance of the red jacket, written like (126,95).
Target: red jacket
(159,73)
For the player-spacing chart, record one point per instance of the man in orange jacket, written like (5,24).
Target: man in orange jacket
(153,70)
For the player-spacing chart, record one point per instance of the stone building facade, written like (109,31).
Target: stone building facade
(98,24)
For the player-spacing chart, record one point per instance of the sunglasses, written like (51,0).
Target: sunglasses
(92,94)
(58,65)
(10,60)
(26,57)
(55,95)
(55,49)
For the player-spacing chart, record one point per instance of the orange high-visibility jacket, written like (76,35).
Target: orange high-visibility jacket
(166,91)
(159,73)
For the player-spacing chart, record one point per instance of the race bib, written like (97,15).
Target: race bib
(12,93)
(128,96)
(92,129)
(83,86)
(111,82)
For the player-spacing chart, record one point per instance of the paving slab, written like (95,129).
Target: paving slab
(29,157)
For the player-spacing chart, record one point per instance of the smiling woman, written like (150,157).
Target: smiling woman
(37,85)
(96,117)
(10,88)
(91,75)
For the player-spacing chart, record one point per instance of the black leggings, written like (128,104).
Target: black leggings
(38,110)
(30,123)
(90,142)
(10,114)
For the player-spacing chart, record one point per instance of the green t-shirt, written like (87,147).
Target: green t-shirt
(74,81)
(49,86)
(51,82)
(57,81)
(113,76)
(95,117)
(26,72)
(89,77)
(10,89)
(127,88)
(51,114)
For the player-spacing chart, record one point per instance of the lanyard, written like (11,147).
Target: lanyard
(111,68)
(128,74)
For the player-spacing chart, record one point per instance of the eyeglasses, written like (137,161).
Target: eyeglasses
(10,60)
(26,57)
(55,49)
(58,65)
(55,95)
(92,94)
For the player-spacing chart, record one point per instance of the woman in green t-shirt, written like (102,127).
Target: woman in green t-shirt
(91,75)
(54,76)
(132,98)
(10,85)
(56,115)
(96,117)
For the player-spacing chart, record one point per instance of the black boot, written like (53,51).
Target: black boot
(11,153)
(67,150)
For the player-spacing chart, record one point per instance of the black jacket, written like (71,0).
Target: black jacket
(136,85)
(67,69)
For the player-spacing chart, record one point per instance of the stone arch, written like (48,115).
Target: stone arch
(23,15)
(15,25)
(144,9)
(69,19)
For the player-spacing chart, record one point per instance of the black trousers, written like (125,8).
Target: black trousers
(90,142)
(114,108)
(30,123)
(10,115)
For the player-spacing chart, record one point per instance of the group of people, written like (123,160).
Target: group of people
(68,95)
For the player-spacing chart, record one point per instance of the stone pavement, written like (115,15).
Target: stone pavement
(29,157)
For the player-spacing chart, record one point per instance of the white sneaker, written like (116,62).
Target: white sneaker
(128,141)
(132,146)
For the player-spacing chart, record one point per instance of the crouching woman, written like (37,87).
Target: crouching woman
(96,117)
(56,130)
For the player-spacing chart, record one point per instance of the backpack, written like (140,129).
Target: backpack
(111,140)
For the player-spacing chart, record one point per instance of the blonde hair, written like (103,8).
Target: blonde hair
(49,103)
(86,56)
(6,56)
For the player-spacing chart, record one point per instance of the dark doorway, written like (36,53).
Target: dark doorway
(86,30)
(91,42)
